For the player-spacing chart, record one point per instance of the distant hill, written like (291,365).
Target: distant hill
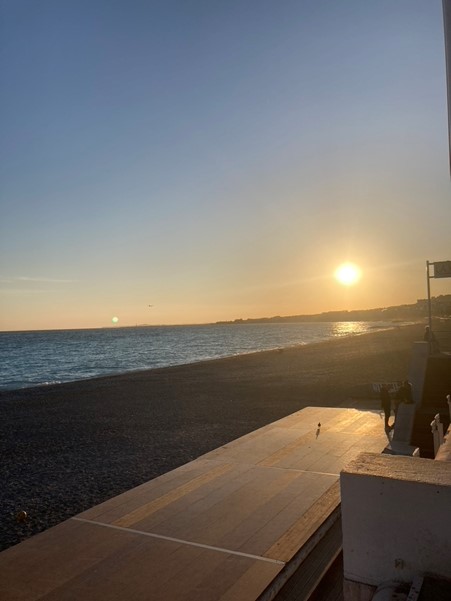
(440,305)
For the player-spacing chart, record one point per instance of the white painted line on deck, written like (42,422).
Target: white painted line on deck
(307,471)
(180,541)
(293,469)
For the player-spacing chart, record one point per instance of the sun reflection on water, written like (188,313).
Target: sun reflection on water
(345,328)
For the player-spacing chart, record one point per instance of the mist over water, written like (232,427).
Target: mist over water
(49,357)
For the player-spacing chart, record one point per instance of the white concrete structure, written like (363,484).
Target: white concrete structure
(396,521)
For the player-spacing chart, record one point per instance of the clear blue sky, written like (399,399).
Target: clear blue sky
(218,160)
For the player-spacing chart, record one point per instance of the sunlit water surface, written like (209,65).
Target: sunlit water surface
(48,357)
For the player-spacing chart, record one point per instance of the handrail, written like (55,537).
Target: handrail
(437,433)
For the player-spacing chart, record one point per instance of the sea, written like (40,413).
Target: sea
(40,358)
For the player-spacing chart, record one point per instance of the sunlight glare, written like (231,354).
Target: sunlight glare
(347,274)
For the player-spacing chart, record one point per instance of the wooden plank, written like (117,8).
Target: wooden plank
(118,510)
(140,574)
(103,563)
(306,419)
(197,501)
(34,568)
(295,446)
(307,456)
(257,448)
(370,427)
(270,519)
(296,536)
(193,507)
(215,453)
(343,422)
(256,523)
(311,571)
(149,490)
(277,525)
(244,588)
(144,510)
(209,525)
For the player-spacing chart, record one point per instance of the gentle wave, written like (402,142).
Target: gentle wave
(51,357)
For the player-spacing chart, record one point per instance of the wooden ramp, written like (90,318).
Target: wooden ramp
(233,525)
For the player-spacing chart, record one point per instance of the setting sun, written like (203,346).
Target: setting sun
(347,274)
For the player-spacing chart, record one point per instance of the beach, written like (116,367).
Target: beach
(67,447)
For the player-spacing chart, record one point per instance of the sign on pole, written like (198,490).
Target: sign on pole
(442,269)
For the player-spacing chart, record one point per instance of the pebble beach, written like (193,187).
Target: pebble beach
(67,447)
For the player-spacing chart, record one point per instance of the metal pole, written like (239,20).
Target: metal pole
(429,304)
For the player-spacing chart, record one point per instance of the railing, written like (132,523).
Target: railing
(437,433)
(437,428)
(444,450)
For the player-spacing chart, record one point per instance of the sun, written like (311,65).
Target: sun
(347,274)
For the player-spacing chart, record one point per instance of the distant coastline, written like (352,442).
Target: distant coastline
(440,306)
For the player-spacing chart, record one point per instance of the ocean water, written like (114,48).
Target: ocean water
(56,356)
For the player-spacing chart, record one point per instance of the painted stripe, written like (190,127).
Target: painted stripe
(180,541)
(299,471)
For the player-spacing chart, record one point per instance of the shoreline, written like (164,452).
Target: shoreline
(70,446)
(377,328)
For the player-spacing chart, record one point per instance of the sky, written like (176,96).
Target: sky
(191,161)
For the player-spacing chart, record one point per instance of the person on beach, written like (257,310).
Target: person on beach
(406,392)
(399,398)
(386,405)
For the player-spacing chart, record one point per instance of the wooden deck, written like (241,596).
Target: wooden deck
(233,525)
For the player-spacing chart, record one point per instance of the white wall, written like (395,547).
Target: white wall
(396,515)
